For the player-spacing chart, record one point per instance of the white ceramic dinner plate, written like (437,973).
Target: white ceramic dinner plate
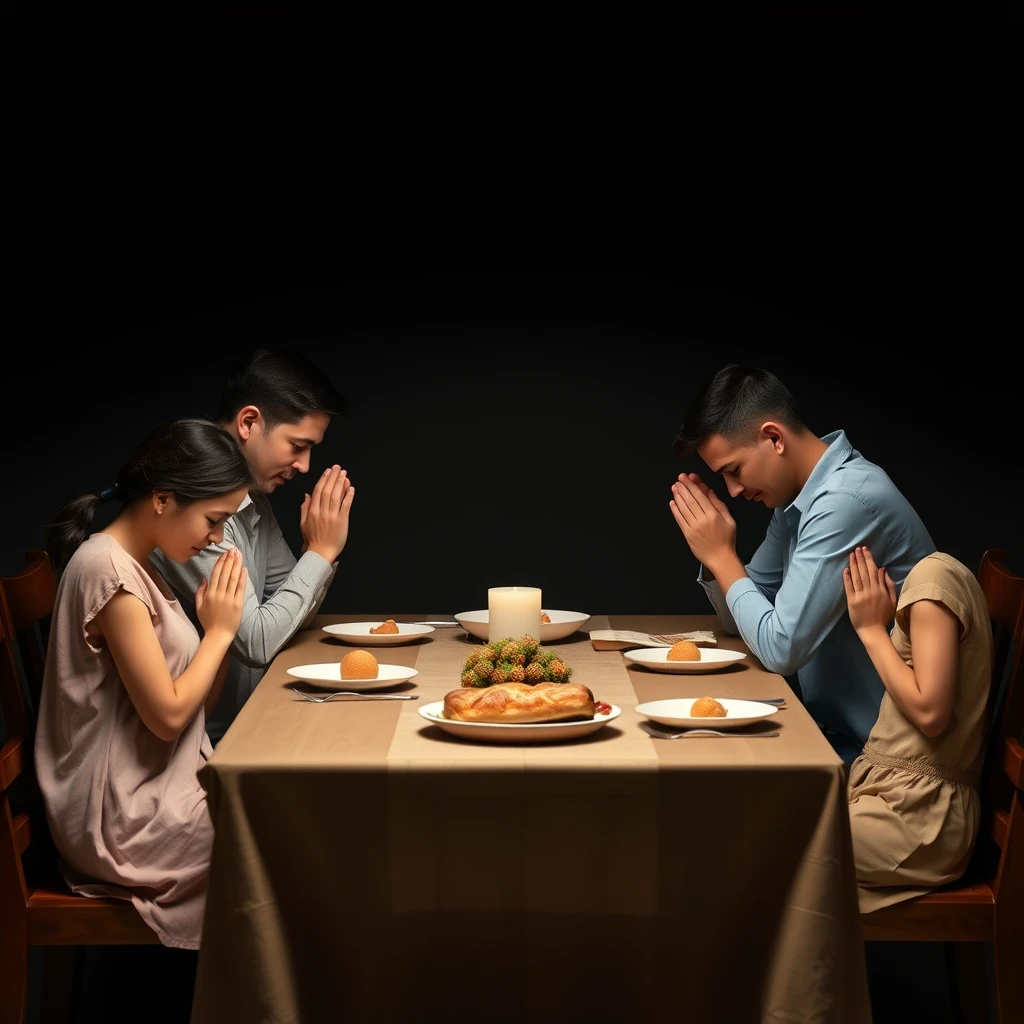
(515,732)
(328,673)
(562,624)
(675,711)
(359,633)
(656,658)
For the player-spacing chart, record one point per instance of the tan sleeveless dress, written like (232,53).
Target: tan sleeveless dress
(126,810)
(914,808)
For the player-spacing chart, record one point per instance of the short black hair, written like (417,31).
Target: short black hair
(733,402)
(283,384)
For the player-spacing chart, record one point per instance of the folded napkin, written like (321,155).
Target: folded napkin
(622,639)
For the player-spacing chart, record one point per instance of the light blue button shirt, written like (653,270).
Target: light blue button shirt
(791,608)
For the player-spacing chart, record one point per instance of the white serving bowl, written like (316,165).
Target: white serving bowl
(562,624)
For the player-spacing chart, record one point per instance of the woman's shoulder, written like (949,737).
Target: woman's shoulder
(101,565)
(100,554)
(943,578)
(942,567)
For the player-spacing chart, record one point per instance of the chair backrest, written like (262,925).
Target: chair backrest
(27,852)
(14,701)
(31,595)
(1004,593)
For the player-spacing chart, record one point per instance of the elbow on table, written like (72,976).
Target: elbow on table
(250,648)
(782,662)
(251,659)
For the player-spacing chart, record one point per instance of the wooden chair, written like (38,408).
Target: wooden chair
(36,906)
(30,598)
(986,905)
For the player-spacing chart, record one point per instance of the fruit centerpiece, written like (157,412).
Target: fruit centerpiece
(513,661)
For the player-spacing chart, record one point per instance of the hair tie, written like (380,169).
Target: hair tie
(109,494)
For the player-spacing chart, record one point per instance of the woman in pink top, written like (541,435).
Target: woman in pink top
(121,726)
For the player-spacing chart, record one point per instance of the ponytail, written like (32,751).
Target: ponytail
(70,526)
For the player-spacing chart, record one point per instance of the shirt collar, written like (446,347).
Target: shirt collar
(248,509)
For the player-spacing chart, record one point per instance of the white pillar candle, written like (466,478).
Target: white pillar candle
(514,612)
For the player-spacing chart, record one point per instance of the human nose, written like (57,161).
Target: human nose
(734,487)
(217,534)
(301,463)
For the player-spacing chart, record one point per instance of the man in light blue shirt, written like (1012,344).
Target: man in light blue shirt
(788,603)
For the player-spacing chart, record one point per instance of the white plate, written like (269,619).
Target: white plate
(676,711)
(562,624)
(359,633)
(516,732)
(328,673)
(711,658)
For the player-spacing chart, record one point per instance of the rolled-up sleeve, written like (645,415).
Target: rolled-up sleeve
(718,602)
(765,570)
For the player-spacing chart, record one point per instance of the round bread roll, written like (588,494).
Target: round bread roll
(707,707)
(684,650)
(359,665)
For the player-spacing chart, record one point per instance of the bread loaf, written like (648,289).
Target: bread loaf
(520,702)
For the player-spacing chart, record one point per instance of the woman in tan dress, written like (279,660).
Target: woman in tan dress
(121,727)
(914,806)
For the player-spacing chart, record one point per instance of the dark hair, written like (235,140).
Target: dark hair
(193,459)
(284,385)
(734,402)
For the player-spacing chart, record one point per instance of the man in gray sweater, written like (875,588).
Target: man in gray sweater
(277,406)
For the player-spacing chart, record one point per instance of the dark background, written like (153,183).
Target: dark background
(514,401)
(513,405)
(519,266)
(519,242)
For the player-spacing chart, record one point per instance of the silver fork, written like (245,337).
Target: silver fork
(661,735)
(319,698)
(777,701)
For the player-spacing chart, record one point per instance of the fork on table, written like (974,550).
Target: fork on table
(319,698)
(663,734)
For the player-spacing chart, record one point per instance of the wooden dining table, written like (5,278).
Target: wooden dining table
(369,866)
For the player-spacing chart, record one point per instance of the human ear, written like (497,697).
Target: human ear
(245,419)
(773,433)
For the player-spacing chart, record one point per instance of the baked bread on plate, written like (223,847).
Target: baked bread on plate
(520,702)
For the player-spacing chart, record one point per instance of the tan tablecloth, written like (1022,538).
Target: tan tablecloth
(370,867)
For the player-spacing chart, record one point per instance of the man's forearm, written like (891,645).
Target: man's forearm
(726,571)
